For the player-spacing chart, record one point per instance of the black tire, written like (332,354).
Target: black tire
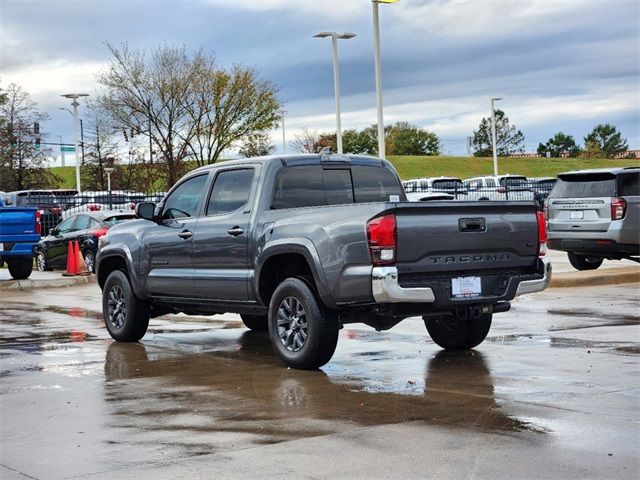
(89,260)
(304,314)
(20,269)
(452,333)
(42,264)
(257,323)
(125,316)
(582,262)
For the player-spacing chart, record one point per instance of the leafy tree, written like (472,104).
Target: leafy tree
(406,139)
(558,145)
(191,108)
(22,160)
(257,144)
(510,140)
(357,142)
(591,150)
(608,140)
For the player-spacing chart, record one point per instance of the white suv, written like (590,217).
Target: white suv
(498,187)
(433,188)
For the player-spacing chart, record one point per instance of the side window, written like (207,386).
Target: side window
(65,227)
(83,222)
(490,182)
(231,191)
(184,200)
(629,185)
(475,185)
(93,223)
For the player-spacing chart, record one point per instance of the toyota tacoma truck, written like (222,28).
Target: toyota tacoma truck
(301,245)
(20,230)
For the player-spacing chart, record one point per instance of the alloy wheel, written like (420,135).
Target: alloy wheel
(117,307)
(292,324)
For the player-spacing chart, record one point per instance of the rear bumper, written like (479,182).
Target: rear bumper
(17,249)
(601,246)
(387,289)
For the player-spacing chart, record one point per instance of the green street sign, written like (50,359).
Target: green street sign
(68,149)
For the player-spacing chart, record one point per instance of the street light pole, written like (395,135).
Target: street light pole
(336,78)
(284,138)
(74,104)
(378,70)
(493,135)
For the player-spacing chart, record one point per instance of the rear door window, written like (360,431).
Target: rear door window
(83,221)
(231,191)
(585,186)
(299,187)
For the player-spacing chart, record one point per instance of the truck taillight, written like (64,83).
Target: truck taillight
(92,207)
(618,208)
(38,228)
(381,235)
(501,190)
(542,234)
(546,211)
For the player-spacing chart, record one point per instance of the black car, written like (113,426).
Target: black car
(541,187)
(43,200)
(86,228)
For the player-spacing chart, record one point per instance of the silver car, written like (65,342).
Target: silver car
(595,214)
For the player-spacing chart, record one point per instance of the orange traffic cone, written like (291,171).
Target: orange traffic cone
(72,260)
(81,265)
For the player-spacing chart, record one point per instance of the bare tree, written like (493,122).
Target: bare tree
(307,141)
(190,108)
(22,158)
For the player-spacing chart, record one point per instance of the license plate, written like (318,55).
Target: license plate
(576,215)
(466,287)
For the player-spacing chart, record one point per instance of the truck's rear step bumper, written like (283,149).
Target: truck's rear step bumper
(386,287)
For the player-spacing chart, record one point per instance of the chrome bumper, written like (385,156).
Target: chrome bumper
(532,286)
(386,289)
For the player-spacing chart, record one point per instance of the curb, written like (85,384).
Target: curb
(612,276)
(50,283)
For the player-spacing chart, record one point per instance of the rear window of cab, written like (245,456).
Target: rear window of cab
(605,184)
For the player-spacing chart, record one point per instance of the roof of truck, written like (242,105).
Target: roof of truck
(613,170)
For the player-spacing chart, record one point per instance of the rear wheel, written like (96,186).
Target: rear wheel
(452,333)
(20,269)
(302,334)
(89,260)
(582,262)
(125,315)
(257,323)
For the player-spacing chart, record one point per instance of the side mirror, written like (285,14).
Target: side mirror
(145,210)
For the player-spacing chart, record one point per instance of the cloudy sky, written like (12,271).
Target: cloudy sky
(559,64)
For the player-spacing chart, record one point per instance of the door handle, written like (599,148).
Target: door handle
(235,231)
(186,235)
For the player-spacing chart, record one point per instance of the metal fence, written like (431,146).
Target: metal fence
(58,205)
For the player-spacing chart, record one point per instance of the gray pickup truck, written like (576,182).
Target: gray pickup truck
(301,245)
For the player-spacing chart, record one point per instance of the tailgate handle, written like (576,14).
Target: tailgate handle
(472,225)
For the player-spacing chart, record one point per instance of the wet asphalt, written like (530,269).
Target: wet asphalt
(554,392)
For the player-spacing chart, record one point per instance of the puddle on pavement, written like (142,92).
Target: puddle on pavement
(245,390)
(603,319)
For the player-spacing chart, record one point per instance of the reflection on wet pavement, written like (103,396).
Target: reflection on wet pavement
(198,385)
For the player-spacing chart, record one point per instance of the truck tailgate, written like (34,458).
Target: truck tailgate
(18,224)
(442,237)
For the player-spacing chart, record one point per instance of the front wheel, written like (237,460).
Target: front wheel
(452,333)
(20,269)
(125,315)
(41,262)
(582,262)
(302,335)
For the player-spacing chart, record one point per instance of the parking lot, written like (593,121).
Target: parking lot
(553,392)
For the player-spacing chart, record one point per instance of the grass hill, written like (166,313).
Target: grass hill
(462,167)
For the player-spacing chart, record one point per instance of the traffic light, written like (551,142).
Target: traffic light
(37,141)
(36,128)
(126,138)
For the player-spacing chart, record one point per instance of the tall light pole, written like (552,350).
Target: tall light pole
(336,77)
(493,134)
(109,171)
(378,67)
(74,104)
(284,138)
